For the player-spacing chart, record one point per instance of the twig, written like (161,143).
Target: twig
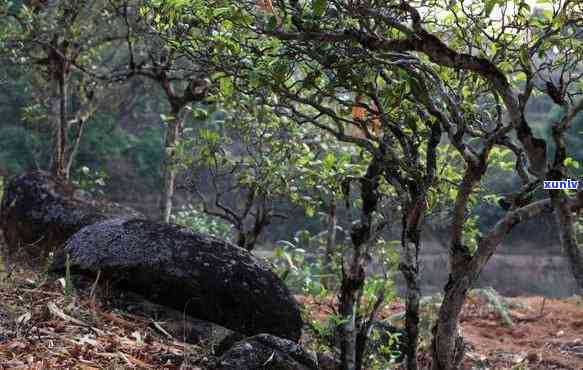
(92,298)
(542,308)
(54,310)
(159,327)
(118,320)
(37,291)
(92,294)
(132,361)
(269,359)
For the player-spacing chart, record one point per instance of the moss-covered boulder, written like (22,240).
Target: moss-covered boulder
(199,275)
(38,213)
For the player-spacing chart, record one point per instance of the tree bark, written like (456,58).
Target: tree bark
(353,275)
(568,235)
(413,216)
(75,147)
(58,109)
(559,200)
(54,121)
(59,72)
(447,347)
(173,131)
(330,246)
(351,285)
(410,269)
(246,240)
(63,127)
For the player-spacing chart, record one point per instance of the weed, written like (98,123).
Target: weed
(495,303)
(68,280)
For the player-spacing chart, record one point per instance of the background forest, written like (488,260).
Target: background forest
(300,133)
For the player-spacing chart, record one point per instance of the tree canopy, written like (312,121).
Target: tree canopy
(402,113)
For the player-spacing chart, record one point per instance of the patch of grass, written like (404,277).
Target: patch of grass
(496,303)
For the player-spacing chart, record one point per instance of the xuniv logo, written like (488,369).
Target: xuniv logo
(561,185)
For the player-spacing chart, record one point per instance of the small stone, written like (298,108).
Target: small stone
(534,357)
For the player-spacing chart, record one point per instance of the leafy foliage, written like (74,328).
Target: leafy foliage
(200,222)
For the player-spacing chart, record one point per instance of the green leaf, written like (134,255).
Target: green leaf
(226,86)
(218,12)
(572,163)
(272,23)
(166,119)
(520,76)
(524,57)
(319,7)
(489,6)
(329,161)
(199,114)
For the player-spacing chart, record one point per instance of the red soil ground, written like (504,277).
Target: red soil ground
(548,336)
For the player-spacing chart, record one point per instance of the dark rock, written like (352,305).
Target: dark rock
(228,342)
(199,275)
(39,213)
(266,352)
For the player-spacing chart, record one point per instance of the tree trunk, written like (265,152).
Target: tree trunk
(173,131)
(447,347)
(74,148)
(241,239)
(410,269)
(330,246)
(246,240)
(568,235)
(352,283)
(63,127)
(561,207)
(353,279)
(54,121)
(413,216)
(59,102)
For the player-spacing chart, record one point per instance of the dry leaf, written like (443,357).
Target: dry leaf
(23,319)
